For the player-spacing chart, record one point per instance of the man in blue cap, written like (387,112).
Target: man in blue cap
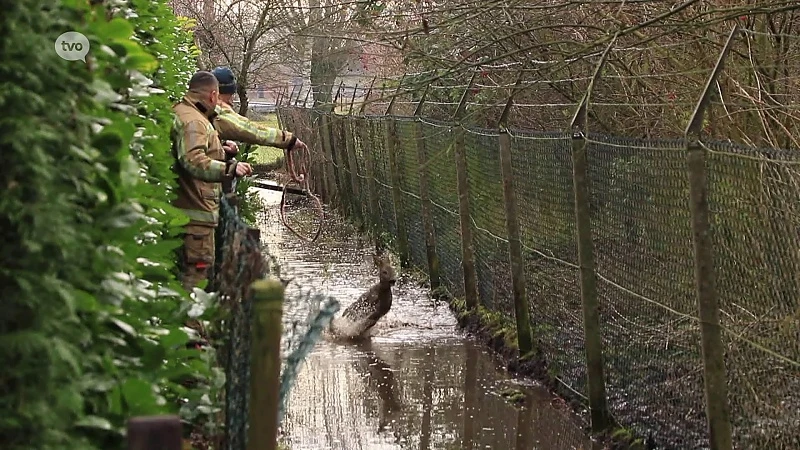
(232,126)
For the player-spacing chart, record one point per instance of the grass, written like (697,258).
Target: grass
(265,154)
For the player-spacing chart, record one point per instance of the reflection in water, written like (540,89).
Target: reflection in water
(418,383)
(379,377)
(427,399)
(524,431)
(470,392)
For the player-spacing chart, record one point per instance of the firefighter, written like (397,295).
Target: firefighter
(201,167)
(234,127)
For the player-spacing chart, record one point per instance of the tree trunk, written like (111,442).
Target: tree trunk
(241,89)
(323,71)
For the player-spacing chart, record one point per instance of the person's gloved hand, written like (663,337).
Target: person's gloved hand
(230,147)
(299,145)
(243,169)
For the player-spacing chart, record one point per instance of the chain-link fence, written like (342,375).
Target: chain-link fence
(241,260)
(641,233)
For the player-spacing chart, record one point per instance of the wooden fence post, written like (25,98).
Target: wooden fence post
(714,373)
(465,217)
(397,194)
(372,185)
(516,260)
(318,165)
(338,162)
(350,150)
(265,365)
(327,152)
(155,433)
(343,167)
(425,198)
(593,342)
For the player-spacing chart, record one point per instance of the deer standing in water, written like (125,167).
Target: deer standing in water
(372,305)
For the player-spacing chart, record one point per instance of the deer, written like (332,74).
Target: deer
(373,304)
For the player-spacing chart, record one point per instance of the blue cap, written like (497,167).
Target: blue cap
(227,81)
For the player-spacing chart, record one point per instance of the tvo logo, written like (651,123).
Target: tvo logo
(72,46)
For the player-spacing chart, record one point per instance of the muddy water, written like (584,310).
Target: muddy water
(418,383)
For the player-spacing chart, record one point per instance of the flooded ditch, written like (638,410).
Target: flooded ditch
(418,383)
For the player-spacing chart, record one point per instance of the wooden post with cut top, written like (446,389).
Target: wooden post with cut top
(396,180)
(331,191)
(713,349)
(356,201)
(155,433)
(265,364)
(464,214)
(426,208)
(368,135)
(516,259)
(593,343)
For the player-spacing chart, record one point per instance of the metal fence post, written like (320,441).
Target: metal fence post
(265,366)
(521,307)
(465,217)
(714,374)
(299,93)
(593,342)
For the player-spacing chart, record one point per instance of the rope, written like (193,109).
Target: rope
(298,174)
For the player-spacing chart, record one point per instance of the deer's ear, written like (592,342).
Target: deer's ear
(376,260)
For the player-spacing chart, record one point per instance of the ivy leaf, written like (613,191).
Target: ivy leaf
(175,338)
(125,327)
(117,28)
(103,93)
(140,397)
(142,62)
(95,422)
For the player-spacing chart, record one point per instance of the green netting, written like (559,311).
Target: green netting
(542,168)
(487,208)
(444,200)
(643,245)
(243,260)
(641,231)
(341,162)
(383,179)
(357,131)
(408,160)
(755,218)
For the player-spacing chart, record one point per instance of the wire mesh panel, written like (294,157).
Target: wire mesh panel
(542,168)
(642,238)
(342,163)
(307,131)
(383,176)
(753,196)
(408,160)
(641,229)
(359,133)
(444,201)
(487,208)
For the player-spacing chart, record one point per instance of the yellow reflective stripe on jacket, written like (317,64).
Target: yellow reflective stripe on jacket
(231,125)
(191,144)
(202,216)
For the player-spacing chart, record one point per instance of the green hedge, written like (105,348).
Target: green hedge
(91,318)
